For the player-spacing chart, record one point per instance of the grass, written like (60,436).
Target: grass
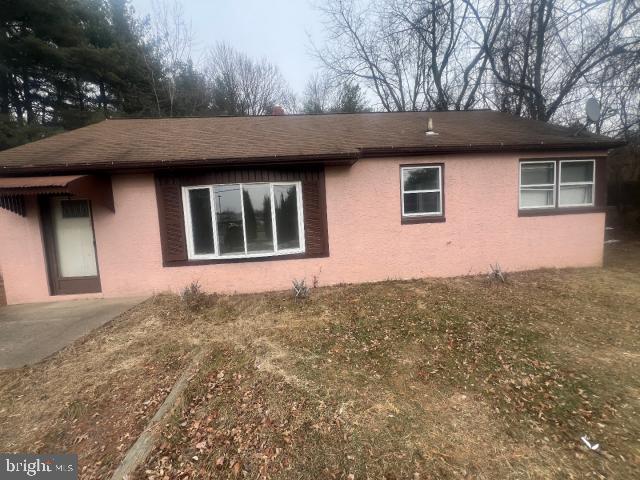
(454,378)
(96,396)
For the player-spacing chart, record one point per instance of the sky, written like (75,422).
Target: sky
(279,30)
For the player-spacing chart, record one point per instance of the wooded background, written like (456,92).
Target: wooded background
(67,63)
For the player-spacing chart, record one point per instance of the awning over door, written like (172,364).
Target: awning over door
(95,188)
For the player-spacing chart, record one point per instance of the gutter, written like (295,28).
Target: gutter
(346,159)
(339,159)
(498,148)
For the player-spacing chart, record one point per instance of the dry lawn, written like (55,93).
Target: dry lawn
(95,397)
(456,378)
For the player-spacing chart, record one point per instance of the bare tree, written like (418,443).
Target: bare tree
(171,36)
(324,95)
(413,54)
(319,94)
(243,86)
(550,51)
(455,61)
(363,45)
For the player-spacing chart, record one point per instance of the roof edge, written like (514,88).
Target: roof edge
(300,114)
(449,149)
(345,159)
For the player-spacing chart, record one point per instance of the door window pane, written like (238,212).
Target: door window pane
(257,218)
(541,173)
(74,240)
(74,208)
(229,219)
(427,178)
(576,172)
(425,202)
(286,206)
(201,223)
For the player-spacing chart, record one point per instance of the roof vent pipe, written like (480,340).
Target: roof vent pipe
(430,127)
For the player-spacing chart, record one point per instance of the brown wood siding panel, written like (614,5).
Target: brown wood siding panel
(315,225)
(171,219)
(171,214)
(248,175)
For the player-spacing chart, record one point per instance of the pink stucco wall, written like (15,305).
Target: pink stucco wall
(366,239)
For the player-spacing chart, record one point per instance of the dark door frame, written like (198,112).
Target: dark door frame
(3,295)
(59,285)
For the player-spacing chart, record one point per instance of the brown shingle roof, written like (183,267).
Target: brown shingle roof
(128,143)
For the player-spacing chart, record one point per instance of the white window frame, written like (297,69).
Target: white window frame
(439,190)
(186,205)
(552,185)
(592,183)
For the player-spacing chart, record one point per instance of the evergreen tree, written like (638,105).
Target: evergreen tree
(66,63)
(351,99)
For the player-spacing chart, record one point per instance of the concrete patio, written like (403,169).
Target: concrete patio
(32,332)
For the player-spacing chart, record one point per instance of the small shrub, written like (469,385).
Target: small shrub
(300,289)
(496,274)
(193,297)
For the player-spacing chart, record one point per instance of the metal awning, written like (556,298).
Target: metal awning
(92,187)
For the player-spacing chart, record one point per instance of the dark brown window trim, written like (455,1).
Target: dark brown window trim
(216,261)
(424,219)
(415,219)
(535,212)
(600,193)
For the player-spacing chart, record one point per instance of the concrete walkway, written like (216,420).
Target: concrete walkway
(31,332)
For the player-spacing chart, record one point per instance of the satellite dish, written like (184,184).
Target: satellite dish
(593,109)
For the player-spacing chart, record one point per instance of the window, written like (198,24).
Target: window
(557,184)
(577,178)
(243,220)
(74,208)
(421,191)
(537,184)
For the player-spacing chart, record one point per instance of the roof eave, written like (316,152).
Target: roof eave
(484,148)
(346,159)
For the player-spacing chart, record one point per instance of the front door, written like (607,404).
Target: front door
(70,246)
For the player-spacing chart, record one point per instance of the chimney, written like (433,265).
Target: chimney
(277,110)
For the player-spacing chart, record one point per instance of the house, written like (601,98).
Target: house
(247,204)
